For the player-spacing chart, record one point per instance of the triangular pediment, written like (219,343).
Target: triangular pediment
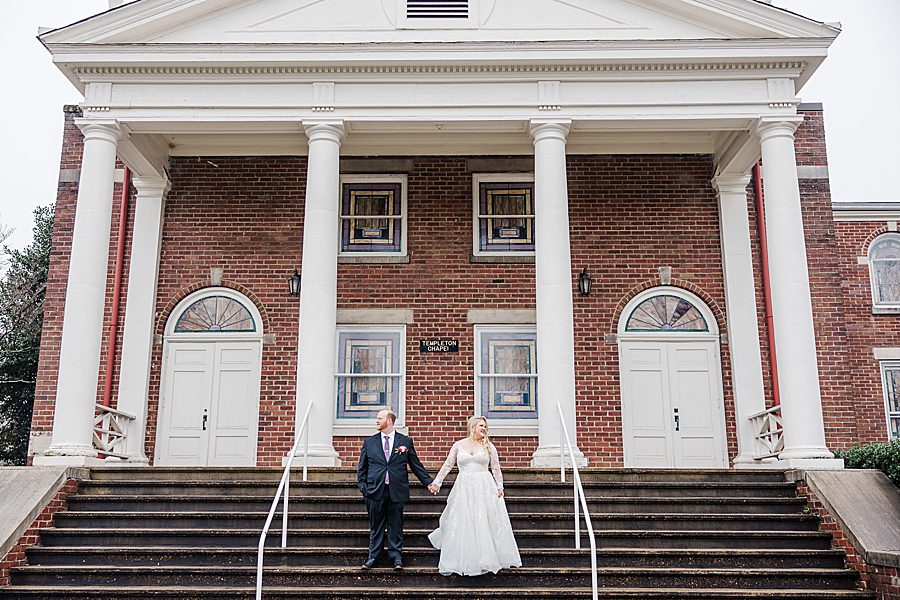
(362,21)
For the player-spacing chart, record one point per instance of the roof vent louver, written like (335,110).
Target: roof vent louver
(437,9)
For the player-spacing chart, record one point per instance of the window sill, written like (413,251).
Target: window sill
(363,430)
(374,259)
(886,310)
(498,259)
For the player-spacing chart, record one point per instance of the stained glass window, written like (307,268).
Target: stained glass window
(891,373)
(507,374)
(506,216)
(215,313)
(372,216)
(666,313)
(369,373)
(884,265)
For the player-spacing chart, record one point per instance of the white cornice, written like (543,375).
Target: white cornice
(439,69)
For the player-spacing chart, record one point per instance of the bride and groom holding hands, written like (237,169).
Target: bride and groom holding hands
(474,533)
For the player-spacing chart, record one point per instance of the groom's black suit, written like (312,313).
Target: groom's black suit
(385,501)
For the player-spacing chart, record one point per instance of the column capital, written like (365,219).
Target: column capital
(542,129)
(731,183)
(107,130)
(783,126)
(330,130)
(151,186)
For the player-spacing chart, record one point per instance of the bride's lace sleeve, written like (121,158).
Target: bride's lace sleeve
(495,467)
(448,465)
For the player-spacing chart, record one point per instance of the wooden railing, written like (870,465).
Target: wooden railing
(769,433)
(111,431)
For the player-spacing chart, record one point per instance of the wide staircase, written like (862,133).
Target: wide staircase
(193,534)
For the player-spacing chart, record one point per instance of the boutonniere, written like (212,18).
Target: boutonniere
(401,450)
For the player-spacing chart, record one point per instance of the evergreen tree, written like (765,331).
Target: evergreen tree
(22,288)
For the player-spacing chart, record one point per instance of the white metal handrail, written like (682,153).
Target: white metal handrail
(110,430)
(284,485)
(578,493)
(768,433)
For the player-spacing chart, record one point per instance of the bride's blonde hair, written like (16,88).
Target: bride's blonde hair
(473,421)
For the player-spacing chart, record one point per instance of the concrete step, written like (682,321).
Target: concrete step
(655,489)
(416,538)
(467,590)
(513,474)
(608,577)
(428,557)
(342,503)
(412,519)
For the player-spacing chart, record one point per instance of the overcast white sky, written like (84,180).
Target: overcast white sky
(859,85)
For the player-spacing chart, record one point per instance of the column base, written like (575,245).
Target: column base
(53,460)
(808,464)
(321,456)
(548,456)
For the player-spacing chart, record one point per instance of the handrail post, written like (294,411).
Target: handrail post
(579,496)
(283,486)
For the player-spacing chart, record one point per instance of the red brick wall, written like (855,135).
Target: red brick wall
(629,215)
(865,331)
(884,581)
(16,556)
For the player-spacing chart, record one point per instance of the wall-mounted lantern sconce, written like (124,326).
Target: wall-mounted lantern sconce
(294,283)
(584,283)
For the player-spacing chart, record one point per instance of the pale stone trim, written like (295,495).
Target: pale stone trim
(886,353)
(490,316)
(812,172)
(374,316)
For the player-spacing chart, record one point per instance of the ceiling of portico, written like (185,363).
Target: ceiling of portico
(443,138)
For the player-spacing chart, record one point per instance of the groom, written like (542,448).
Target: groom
(382,478)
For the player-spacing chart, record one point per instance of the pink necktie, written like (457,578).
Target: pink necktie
(387,456)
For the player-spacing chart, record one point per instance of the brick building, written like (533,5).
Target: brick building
(447,180)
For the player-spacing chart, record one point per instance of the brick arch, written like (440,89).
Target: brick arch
(872,237)
(184,292)
(683,284)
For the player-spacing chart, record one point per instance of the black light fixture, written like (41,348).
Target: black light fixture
(585,282)
(294,283)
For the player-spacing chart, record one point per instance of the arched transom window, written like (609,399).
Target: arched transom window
(213,314)
(884,270)
(667,313)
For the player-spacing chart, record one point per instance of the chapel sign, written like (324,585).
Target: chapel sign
(438,345)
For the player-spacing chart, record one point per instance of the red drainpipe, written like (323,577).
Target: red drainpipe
(767,289)
(117,289)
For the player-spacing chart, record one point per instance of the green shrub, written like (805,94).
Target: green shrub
(885,457)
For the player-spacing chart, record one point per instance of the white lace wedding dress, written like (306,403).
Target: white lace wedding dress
(475,535)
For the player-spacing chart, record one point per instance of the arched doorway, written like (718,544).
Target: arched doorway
(209,393)
(673,413)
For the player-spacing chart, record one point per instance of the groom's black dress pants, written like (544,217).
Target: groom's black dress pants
(385,516)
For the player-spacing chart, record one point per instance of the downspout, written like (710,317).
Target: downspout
(767,289)
(117,289)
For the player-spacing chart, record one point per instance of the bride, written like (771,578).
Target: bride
(474,535)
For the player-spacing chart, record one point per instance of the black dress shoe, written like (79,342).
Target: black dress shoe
(398,565)
(368,564)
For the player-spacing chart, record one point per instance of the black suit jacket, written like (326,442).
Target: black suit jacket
(372,467)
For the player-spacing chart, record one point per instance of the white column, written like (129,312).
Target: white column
(798,369)
(553,292)
(740,303)
(79,357)
(318,290)
(140,310)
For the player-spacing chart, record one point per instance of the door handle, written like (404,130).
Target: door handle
(205,418)
(677,421)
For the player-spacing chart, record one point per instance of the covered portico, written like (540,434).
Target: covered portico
(728,91)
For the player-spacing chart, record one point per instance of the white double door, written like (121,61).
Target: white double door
(672,406)
(210,404)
